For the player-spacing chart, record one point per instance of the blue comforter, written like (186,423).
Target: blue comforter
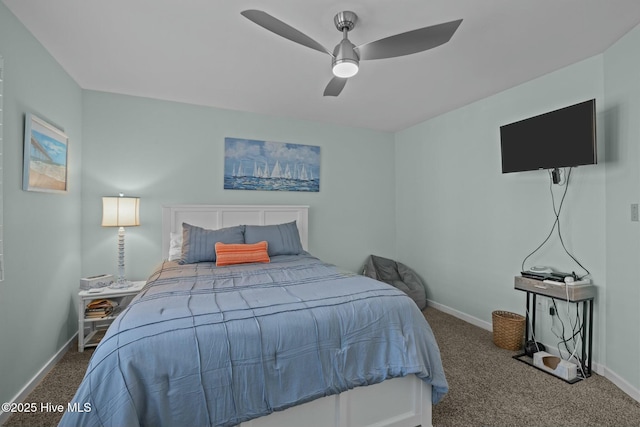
(214,346)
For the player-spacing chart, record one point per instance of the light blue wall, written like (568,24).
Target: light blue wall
(42,233)
(621,123)
(467,228)
(168,153)
(442,206)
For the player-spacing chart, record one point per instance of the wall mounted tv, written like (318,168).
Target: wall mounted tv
(558,139)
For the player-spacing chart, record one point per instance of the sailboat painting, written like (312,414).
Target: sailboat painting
(271,166)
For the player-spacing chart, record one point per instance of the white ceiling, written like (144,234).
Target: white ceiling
(204,52)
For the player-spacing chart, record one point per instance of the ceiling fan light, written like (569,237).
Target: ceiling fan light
(345,59)
(345,68)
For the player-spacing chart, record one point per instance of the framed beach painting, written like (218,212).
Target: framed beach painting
(45,157)
(271,166)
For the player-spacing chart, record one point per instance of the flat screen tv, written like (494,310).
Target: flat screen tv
(558,139)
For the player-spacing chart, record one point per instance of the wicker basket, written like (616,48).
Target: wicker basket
(508,330)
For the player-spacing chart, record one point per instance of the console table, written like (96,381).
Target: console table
(577,294)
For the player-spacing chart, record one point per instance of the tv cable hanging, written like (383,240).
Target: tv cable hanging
(556,224)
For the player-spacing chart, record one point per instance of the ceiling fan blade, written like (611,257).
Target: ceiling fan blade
(335,86)
(280,28)
(410,42)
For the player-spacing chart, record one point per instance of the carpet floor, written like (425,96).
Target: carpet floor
(487,387)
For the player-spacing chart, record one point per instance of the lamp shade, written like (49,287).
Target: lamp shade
(120,211)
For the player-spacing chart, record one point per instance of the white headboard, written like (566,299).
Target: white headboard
(219,216)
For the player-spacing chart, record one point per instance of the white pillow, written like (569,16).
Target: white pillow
(175,246)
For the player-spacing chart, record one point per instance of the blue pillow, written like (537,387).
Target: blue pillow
(282,239)
(199,244)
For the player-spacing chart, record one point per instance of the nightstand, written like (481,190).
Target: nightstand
(89,326)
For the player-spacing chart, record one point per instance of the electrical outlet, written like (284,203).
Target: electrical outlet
(634,212)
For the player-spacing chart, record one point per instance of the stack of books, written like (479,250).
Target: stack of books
(99,308)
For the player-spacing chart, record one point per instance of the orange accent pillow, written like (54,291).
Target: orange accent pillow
(237,253)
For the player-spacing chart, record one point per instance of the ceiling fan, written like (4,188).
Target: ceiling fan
(346,56)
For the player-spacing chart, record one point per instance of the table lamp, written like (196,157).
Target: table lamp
(120,212)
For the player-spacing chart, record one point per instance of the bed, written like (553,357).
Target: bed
(292,342)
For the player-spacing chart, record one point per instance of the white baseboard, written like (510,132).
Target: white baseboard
(460,315)
(622,384)
(598,368)
(28,388)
